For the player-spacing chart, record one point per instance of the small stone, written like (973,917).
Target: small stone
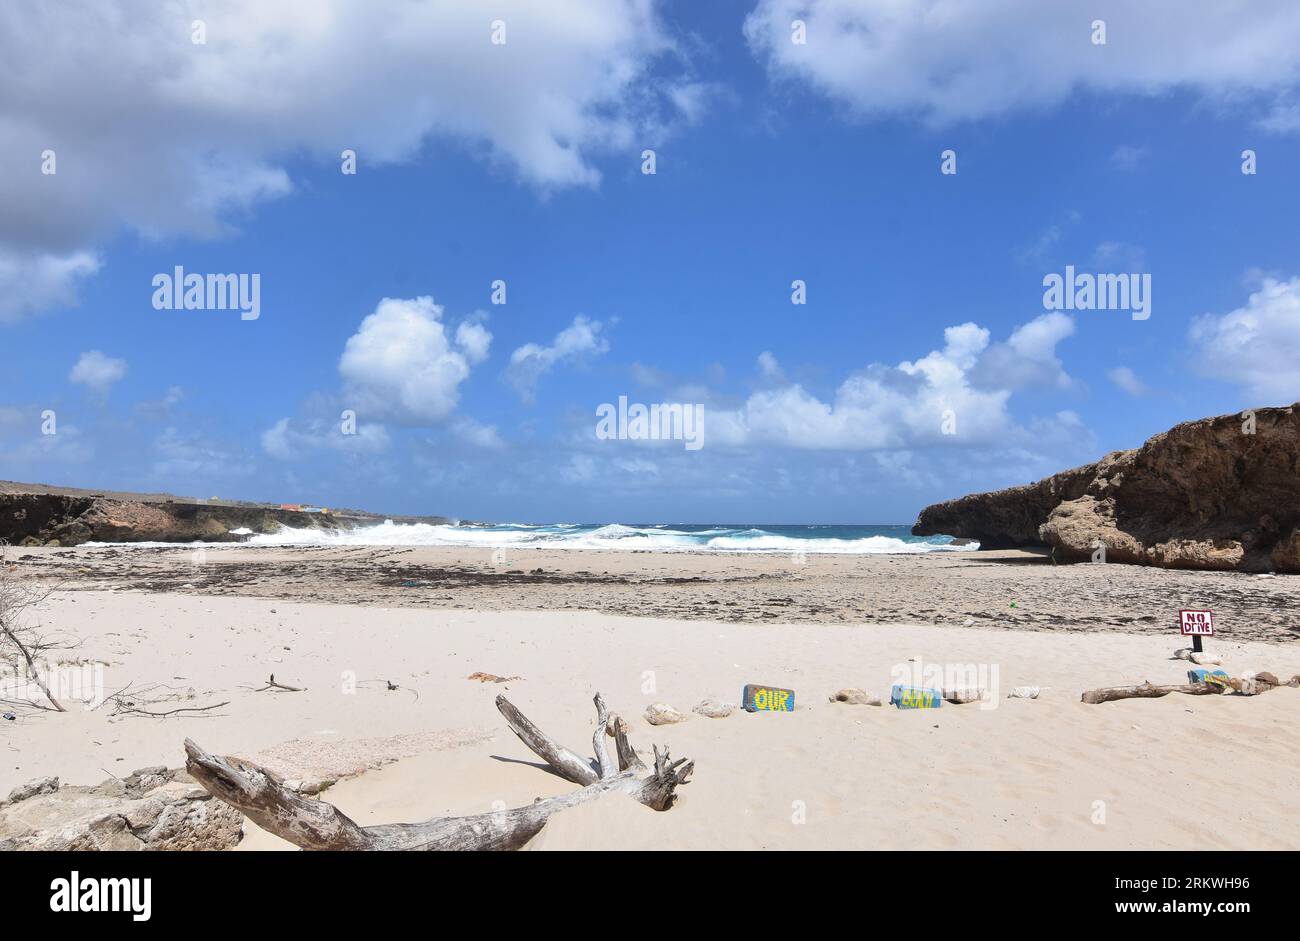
(1183,653)
(658,713)
(714,709)
(1024,692)
(856,697)
(962,696)
(1206,659)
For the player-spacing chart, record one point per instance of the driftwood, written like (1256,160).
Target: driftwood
(316,825)
(1249,685)
(133,711)
(1148,690)
(272,684)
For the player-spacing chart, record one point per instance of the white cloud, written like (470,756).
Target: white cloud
(481,436)
(769,368)
(191,457)
(400,364)
(154,133)
(1028,357)
(31,281)
(942,61)
(97,372)
(474,339)
(1128,380)
(288,440)
(528,363)
(1283,117)
(896,407)
(1256,346)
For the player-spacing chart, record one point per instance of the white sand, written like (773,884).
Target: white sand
(1179,772)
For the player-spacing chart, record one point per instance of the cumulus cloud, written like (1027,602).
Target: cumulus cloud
(31,281)
(97,372)
(578,341)
(942,61)
(474,339)
(1128,380)
(1256,346)
(163,136)
(909,405)
(1028,357)
(400,364)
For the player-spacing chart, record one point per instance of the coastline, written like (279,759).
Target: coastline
(999,589)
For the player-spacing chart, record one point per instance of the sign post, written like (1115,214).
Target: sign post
(1196,624)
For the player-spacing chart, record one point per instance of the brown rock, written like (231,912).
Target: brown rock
(1203,495)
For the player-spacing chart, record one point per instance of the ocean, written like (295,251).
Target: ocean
(665,537)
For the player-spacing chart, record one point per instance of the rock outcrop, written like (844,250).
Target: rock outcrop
(1219,493)
(32,514)
(152,809)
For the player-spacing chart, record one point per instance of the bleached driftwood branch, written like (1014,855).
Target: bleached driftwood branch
(1148,690)
(317,825)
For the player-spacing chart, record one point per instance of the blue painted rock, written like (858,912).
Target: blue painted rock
(757,698)
(914,697)
(1213,677)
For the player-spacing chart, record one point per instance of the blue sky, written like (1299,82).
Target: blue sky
(522,162)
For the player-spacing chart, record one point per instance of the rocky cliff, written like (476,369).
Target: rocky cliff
(1218,493)
(39,515)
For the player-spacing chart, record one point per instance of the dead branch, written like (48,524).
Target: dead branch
(567,764)
(604,767)
(272,684)
(1148,690)
(627,757)
(133,710)
(16,597)
(317,825)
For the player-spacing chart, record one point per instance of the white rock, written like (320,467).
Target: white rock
(1024,692)
(1183,653)
(856,697)
(961,696)
(659,713)
(1206,659)
(714,709)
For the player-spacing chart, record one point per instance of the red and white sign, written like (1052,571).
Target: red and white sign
(1197,622)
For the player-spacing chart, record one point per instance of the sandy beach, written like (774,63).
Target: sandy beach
(344,625)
